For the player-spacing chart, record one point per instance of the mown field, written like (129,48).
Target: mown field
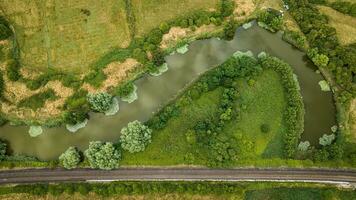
(171,145)
(72,35)
(66,35)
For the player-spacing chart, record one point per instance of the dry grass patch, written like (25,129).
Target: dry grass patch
(17,91)
(244,8)
(177,33)
(116,73)
(345,25)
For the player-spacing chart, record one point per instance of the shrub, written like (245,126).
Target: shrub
(227,8)
(70,158)
(3,121)
(13,71)
(2,85)
(272,18)
(135,137)
(125,89)
(265,128)
(37,101)
(3,149)
(100,102)
(103,155)
(5,30)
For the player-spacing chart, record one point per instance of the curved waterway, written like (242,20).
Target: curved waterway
(154,92)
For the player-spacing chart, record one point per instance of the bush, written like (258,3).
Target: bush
(3,149)
(12,71)
(70,158)
(272,18)
(125,89)
(100,102)
(37,101)
(3,121)
(2,85)
(5,30)
(265,128)
(103,155)
(227,8)
(135,137)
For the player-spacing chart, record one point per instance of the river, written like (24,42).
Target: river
(154,92)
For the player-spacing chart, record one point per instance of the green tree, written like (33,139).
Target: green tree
(100,102)
(3,148)
(320,60)
(103,155)
(135,137)
(70,158)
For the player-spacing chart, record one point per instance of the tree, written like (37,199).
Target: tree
(100,102)
(135,137)
(265,128)
(70,158)
(3,148)
(320,60)
(103,155)
(326,139)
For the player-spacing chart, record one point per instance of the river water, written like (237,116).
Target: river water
(154,92)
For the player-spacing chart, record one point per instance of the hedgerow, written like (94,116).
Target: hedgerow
(294,114)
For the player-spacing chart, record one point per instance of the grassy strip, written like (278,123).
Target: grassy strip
(220,189)
(130,15)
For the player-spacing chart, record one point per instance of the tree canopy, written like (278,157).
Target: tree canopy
(70,158)
(103,155)
(135,137)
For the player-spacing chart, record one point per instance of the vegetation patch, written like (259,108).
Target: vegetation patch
(343,24)
(38,100)
(150,14)
(176,190)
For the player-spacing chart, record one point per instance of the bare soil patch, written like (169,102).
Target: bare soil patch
(177,33)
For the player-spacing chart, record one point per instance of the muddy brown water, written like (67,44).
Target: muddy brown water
(154,92)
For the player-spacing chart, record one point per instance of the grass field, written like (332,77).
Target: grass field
(344,24)
(151,13)
(170,146)
(66,35)
(265,105)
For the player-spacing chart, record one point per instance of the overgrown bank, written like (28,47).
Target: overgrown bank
(145,50)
